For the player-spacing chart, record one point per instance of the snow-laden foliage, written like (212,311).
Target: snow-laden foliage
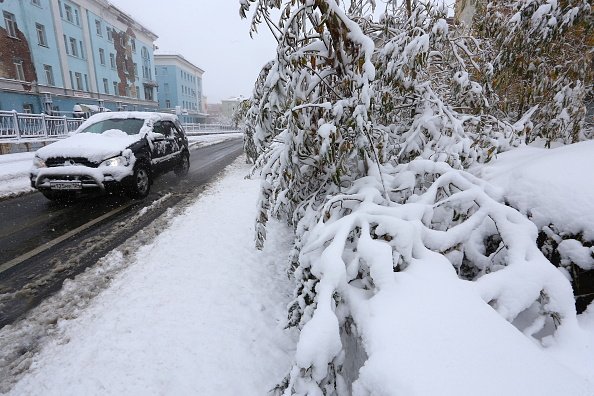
(318,90)
(433,92)
(363,129)
(543,53)
(447,219)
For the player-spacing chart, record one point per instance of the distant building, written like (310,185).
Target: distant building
(229,107)
(55,54)
(180,86)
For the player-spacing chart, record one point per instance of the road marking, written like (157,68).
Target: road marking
(16,261)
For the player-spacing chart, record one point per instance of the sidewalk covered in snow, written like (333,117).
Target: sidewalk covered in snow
(197,311)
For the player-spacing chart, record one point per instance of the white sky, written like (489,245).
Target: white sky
(211,35)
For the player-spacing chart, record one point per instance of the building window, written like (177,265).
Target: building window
(87,83)
(133,44)
(148,93)
(106,86)
(71,79)
(76,17)
(79,81)
(112,61)
(49,75)
(167,104)
(146,64)
(36,2)
(60,8)
(128,93)
(82,50)
(102,56)
(27,108)
(66,44)
(109,34)
(164,71)
(68,11)
(98,28)
(115,88)
(135,70)
(41,38)
(73,47)
(20,73)
(11,26)
(166,88)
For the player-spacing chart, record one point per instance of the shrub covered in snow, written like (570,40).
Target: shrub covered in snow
(363,130)
(543,55)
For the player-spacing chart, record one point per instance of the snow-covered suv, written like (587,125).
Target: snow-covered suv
(112,151)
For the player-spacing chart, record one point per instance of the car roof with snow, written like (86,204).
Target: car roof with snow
(145,115)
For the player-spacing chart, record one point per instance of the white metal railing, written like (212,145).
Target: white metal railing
(192,128)
(17,127)
(21,126)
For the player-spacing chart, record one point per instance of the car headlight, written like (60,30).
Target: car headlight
(115,161)
(39,163)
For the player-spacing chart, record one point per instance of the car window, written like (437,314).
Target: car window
(178,130)
(179,127)
(131,126)
(164,127)
(159,128)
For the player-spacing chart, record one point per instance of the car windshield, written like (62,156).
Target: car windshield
(129,125)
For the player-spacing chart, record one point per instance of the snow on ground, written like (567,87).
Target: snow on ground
(14,168)
(199,311)
(14,173)
(543,181)
(556,186)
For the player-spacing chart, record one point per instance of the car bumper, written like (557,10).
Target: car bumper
(89,180)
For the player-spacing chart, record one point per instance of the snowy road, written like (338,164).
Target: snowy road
(43,243)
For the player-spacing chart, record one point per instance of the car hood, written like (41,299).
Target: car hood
(93,146)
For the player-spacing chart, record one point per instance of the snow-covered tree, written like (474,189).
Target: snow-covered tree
(320,82)
(543,53)
(433,90)
(374,123)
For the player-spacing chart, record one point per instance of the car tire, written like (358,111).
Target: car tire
(183,167)
(141,181)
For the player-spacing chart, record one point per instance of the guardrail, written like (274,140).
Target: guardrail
(192,129)
(21,126)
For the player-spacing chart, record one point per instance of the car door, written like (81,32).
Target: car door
(161,149)
(180,140)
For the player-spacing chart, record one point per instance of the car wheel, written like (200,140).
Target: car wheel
(141,181)
(182,168)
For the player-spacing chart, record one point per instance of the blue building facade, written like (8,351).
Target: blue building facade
(55,54)
(180,87)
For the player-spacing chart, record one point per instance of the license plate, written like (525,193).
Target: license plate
(66,185)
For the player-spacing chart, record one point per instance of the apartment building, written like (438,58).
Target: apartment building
(55,54)
(180,86)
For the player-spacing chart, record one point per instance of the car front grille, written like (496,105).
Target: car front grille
(60,161)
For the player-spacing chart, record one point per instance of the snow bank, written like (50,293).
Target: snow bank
(14,173)
(199,312)
(551,185)
(498,320)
